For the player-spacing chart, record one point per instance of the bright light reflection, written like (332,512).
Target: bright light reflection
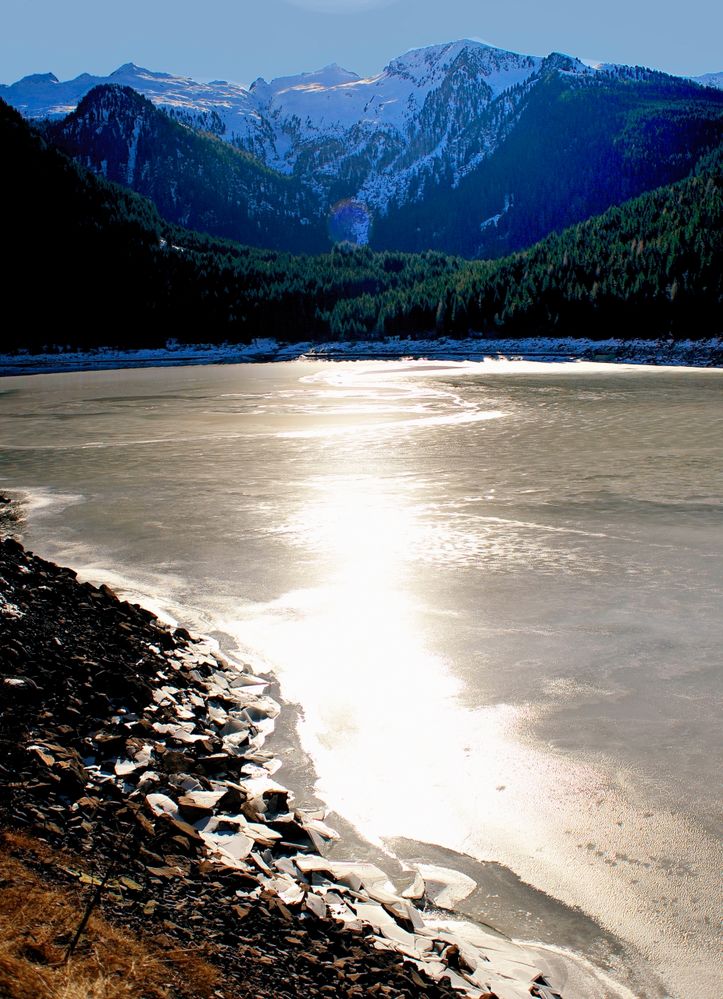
(377,703)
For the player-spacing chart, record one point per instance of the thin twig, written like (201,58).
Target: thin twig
(95,898)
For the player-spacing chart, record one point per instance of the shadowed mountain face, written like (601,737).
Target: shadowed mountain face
(194,179)
(460,147)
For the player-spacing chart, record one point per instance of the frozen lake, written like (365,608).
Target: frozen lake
(493,589)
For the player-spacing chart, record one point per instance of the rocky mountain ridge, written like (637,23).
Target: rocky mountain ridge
(459,147)
(416,110)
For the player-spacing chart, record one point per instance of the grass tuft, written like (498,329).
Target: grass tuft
(39,919)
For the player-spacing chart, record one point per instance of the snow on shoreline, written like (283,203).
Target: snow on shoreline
(704,353)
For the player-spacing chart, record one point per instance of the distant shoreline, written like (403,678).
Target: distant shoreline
(703,353)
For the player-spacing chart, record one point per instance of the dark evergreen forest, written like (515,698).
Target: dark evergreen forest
(90,263)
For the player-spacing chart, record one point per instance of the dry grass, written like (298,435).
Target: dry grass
(37,921)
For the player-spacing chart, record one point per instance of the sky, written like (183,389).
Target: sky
(241,40)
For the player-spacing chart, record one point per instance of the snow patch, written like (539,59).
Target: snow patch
(493,220)
(133,151)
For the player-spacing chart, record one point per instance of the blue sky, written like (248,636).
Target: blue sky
(242,39)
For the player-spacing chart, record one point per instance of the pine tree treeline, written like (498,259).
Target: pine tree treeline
(90,263)
(650,267)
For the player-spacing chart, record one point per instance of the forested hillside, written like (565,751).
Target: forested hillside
(651,266)
(581,144)
(194,179)
(90,263)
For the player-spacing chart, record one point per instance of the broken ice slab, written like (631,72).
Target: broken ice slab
(379,918)
(416,889)
(186,737)
(148,778)
(445,887)
(165,695)
(261,834)
(252,684)
(185,713)
(142,755)
(257,831)
(315,904)
(261,770)
(401,910)
(318,827)
(235,844)
(506,967)
(234,724)
(460,983)
(258,708)
(124,767)
(347,873)
(288,891)
(170,728)
(262,725)
(185,783)
(264,787)
(287,866)
(161,804)
(204,799)
(218,715)
(196,804)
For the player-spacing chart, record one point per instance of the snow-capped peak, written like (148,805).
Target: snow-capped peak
(335,100)
(130,72)
(498,69)
(420,62)
(407,119)
(428,65)
(330,76)
(37,80)
(128,69)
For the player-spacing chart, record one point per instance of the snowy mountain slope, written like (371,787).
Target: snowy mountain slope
(379,132)
(225,109)
(329,99)
(44,96)
(419,154)
(273,120)
(395,97)
(387,133)
(570,146)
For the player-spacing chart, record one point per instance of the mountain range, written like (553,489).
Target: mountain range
(463,148)
(91,263)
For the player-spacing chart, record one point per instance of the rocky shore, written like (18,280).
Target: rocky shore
(700,353)
(136,753)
